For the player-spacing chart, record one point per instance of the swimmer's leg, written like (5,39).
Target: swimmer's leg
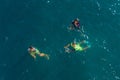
(88,44)
(44,55)
(67,50)
(85,48)
(82,42)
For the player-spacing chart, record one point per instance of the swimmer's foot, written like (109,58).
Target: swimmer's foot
(47,56)
(86,42)
(67,50)
(89,46)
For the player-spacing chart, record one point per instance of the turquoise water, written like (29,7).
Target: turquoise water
(43,24)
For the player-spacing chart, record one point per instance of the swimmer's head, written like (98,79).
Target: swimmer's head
(73,44)
(76,22)
(30,47)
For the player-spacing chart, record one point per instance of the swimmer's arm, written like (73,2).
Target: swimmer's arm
(67,46)
(33,56)
(69,50)
(71,27)
(78,19)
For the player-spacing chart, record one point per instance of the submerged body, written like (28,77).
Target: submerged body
(34,51)
(77,47)
(75,24)
(73,47)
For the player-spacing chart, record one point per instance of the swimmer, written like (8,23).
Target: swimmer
(75,24)
(34,51)
(73,47)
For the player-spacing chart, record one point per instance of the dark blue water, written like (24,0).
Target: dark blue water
(43,24)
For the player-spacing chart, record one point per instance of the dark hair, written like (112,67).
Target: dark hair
(75,20)
(30,47)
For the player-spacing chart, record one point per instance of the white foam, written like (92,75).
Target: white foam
(82,29)
(27,70)
(6,38)
(103,69)
(44,39)
(48,1)
(4,65)
(104,41)
(117,77)
(98,4)
(94,78)
(83,62)
(115,3)
(110,9)
(114,11)
(104,47)
(108,50)
(103,59)
(110,65)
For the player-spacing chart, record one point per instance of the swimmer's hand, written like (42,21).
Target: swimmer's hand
(33,56)
(70,27)
(67,50)
(65,47)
